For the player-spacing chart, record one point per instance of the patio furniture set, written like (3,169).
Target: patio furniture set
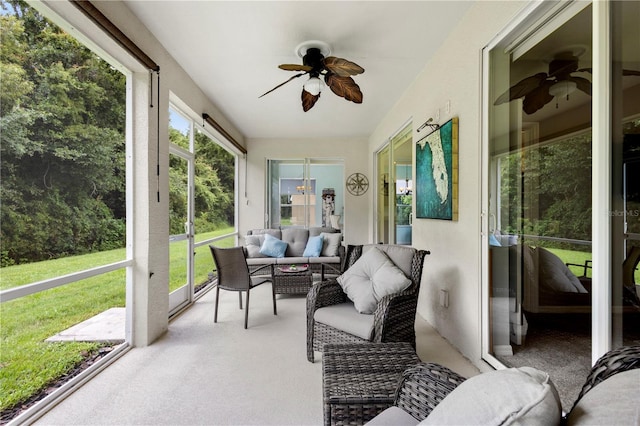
(270,250)
(363,320)
(367,384)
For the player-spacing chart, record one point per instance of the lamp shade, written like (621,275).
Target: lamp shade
(314,86)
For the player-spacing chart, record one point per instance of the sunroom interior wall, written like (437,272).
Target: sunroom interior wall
(453,77)
(150,285)
(351,150)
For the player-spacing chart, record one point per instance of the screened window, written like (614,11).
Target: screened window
(63,199)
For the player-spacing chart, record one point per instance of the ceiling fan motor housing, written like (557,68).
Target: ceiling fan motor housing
(313,59)
(563,64)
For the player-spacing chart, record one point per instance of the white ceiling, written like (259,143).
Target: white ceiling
(232,50)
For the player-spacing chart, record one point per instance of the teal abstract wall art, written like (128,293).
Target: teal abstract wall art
(436,186)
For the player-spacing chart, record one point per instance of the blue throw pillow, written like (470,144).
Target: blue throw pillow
(314,246)
(273,247)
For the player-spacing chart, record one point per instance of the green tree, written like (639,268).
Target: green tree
(62,143)
(546,190)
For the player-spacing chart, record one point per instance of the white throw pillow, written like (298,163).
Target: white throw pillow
(502,397)
(371,278)
(331,243)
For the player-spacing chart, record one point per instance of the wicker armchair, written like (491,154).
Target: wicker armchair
(424,386)
(394,317)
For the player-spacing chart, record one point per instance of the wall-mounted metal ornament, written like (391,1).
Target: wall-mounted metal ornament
(357,184)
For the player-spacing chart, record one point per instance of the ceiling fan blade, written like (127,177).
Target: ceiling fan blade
(342,67)
(582,83)
(295,67)
(344,87)
(522,88)
(308,100)
(537,98)
(282,84)
(624,72)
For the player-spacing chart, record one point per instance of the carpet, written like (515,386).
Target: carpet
(560,344)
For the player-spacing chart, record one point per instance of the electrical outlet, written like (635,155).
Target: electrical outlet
(438,115)
(448,107)
(444,298)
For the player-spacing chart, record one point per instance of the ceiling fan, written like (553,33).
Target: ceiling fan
(337,74)
(541,88)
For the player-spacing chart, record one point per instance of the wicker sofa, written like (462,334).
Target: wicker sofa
(432,394)
(334,317)
(328,262)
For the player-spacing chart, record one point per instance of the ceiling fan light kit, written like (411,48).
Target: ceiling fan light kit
(314,86)
(337,74)
(563,89)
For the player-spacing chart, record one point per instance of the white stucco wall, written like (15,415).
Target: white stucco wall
(453,76)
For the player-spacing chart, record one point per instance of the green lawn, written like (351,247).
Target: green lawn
(575,257)
(27,362)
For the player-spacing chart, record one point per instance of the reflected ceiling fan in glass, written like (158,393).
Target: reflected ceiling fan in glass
(541,88)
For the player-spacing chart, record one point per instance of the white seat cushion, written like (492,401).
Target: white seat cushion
(345,317)
(393,416)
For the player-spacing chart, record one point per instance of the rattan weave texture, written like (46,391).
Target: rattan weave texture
(423,386)
(360,380)
(291,282)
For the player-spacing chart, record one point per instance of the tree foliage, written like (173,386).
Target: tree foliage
(62,142)
(546,190)
(62,145)
(213,185)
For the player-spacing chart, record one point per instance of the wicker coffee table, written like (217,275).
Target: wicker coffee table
(291,281)
(359,379)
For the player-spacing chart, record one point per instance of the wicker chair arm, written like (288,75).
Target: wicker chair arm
(423,386)
(321,294)
(325,293)
(394,318)
(261,270)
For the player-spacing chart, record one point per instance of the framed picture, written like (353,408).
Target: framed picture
(436,186)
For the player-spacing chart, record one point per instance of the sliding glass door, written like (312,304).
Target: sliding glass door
(561,195)
(394,197)
(625,163)
(305,193)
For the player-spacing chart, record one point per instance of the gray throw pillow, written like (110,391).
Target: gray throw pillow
(371,278)
(331,243)
(615,400)
(523,396)
(253,244)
